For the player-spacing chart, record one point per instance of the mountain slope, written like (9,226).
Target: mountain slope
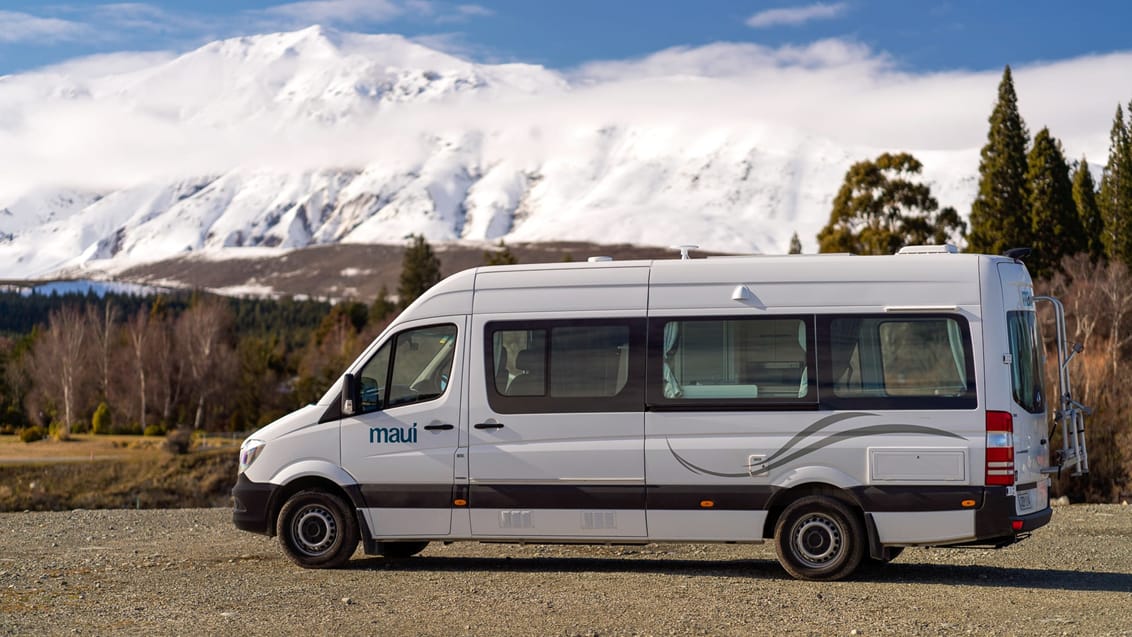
(318,137)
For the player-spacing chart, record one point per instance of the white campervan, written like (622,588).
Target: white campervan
(844,406)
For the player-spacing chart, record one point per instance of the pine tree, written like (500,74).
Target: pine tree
(795,244)
(879,210)
(382,307)
(420,270)
(500,256)
(1085,198)
(1115,200)
(999,216)
(1055,228)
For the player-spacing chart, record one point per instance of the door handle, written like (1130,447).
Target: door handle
(438,427)
(489,425)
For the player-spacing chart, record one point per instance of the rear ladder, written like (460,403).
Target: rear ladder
(1071,414)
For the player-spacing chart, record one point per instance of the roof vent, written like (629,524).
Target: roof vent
(599,259)
(946,248)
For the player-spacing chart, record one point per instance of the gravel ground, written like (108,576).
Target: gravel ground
(191,572)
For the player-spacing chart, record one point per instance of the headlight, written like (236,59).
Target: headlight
(249,451)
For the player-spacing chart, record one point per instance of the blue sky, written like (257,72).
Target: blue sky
(916,36)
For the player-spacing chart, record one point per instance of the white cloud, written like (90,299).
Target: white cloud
(794,16)
(453,44)
(104,64)
(846,92)
(26,28)
(86,131)
(730,59)
(335,12)
(458,13)
(474,10)
(120,18)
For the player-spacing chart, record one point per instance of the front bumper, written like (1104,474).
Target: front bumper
(252,506)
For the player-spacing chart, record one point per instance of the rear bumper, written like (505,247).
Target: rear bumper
(251,506)
(996,521)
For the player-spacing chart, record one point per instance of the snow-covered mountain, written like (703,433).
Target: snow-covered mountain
(315,137)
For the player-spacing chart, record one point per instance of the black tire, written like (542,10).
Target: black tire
(317,530)
(819,538)
(398,550)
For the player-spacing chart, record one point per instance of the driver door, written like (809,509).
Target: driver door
(401,444)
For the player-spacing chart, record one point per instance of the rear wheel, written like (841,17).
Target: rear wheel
(819,538)
(317,530)
(396,550)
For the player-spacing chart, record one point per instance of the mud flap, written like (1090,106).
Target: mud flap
(876,549)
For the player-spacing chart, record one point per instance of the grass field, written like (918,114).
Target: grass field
(111,472)
(89,447)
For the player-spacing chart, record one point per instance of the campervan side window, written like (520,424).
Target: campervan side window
(1026,361)
(564,366)
(748,362)
(413,366)
(897,362)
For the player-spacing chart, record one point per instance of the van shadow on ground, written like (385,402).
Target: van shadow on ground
(895,573)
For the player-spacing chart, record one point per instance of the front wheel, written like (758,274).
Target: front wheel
(317,530)
(819,538)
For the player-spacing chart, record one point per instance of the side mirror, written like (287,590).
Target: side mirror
(349,394)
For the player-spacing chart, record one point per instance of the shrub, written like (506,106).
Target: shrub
(33,433)
(100,422)
(57,431)
(7,429)
(179,441)
(154,430)
(128,429)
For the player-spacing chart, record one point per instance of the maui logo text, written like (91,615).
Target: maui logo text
(392,434)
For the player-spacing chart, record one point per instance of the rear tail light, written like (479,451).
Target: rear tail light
(1000,448)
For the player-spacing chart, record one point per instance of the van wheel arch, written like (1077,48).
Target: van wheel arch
(782,499)
(350,494)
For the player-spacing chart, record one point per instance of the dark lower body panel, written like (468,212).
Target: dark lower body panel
(251,505)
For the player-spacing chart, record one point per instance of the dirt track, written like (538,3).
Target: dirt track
(189,571)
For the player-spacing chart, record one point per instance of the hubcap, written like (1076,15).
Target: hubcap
(314,530)
(816,540)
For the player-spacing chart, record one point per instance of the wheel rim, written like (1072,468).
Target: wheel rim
(817,540)
(313,530)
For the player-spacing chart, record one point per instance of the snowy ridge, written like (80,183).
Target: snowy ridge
(370,138)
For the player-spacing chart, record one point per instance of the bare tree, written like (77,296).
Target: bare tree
(102,328)
(1075,287)
(201,335)
(1084,307)
(1098,302)
(60,364)
(163,365)
(1113,283)
(137,335)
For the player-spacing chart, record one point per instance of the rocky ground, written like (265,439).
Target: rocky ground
(189,571)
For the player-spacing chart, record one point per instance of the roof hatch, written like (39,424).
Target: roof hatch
(946,248)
